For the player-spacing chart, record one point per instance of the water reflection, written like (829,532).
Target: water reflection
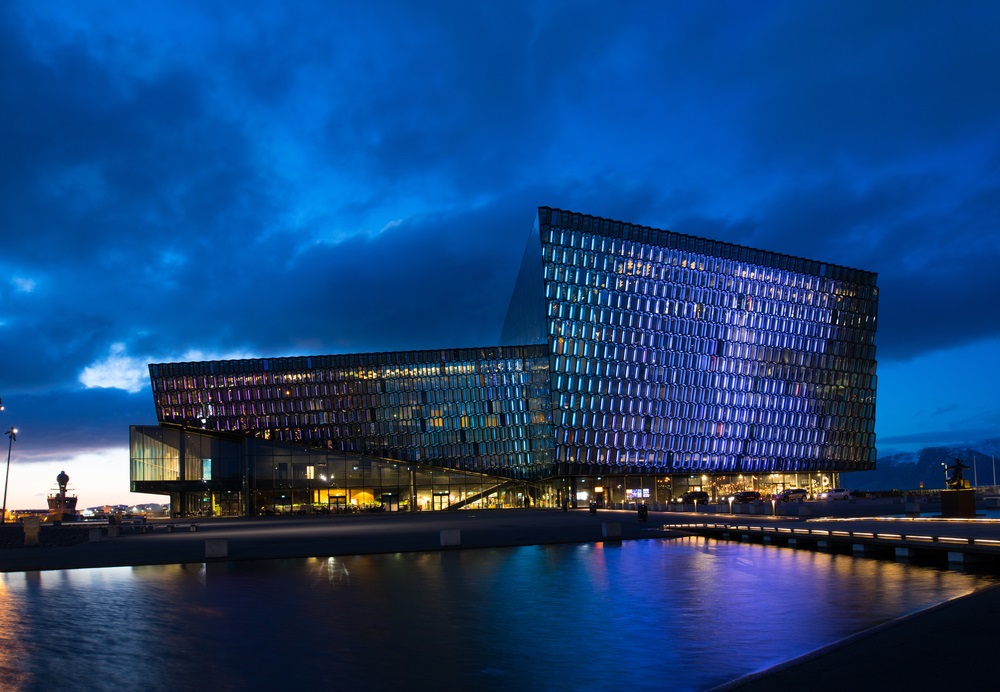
(683,614)
(12,649)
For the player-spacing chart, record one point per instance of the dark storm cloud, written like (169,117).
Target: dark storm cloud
(97,161)
(872,82)
(340,178)
(105,175)
(65,423)
(432,281)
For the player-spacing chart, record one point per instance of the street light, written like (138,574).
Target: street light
(12,438)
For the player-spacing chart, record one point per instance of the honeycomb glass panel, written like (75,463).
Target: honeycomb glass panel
(755,320)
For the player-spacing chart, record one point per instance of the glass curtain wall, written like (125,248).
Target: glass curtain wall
(293,480)
(481,410)
(203,474)
(694,356)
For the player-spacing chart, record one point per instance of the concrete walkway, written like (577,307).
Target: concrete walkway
(288,537)
(952,646)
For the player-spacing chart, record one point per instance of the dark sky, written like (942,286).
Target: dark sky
(202,180)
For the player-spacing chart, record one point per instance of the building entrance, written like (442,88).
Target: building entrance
(439,500)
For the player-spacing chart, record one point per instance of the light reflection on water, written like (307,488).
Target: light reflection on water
(683,615)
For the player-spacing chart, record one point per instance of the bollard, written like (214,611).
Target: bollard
(451,537)
(217,548)
(31,526)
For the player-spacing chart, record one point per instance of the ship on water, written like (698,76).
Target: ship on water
(62,506)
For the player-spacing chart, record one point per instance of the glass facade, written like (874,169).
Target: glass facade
(208,474)
(626,352)
(686,355)
(484,410)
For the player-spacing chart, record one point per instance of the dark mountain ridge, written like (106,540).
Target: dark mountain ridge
(907,471)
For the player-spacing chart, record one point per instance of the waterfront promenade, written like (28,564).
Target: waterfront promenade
(174,541)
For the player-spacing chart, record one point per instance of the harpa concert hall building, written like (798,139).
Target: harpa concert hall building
(634,364)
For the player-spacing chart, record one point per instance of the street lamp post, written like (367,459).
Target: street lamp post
(12,437)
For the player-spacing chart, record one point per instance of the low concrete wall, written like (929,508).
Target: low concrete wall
(31,527)
(451,537)
(13,536)
(611,529)
(217,548)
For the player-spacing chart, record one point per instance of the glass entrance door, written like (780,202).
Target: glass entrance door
(440,500)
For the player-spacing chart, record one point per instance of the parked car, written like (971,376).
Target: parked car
(835,494)
(692,496)
(746,497)
(791,495)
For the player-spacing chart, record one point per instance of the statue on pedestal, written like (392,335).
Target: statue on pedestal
(957,480)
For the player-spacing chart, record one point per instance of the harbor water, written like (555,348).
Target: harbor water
(684,614)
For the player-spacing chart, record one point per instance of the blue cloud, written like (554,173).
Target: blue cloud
(308,178)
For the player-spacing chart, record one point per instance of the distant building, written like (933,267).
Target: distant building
(634,364)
